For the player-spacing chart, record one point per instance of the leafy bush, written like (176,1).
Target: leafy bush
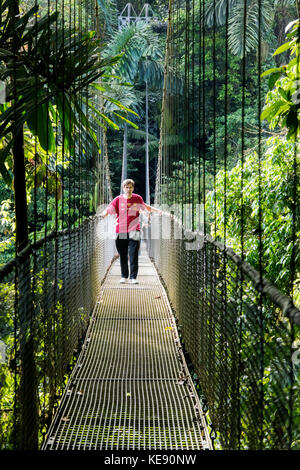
(276,182)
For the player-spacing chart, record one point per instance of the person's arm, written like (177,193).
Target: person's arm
(152,209)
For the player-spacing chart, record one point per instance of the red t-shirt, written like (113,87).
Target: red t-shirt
(127,211)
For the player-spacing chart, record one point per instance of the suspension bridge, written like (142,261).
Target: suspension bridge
(202,353)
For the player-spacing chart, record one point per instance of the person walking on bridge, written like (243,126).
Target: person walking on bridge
(127,207)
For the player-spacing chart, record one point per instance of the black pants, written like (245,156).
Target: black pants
(124,247)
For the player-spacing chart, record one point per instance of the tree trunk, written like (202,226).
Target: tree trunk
(19,158)
(100,35)
(158,199)
(106,166)
(20,191)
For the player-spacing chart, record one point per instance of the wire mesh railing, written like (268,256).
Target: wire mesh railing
(47,295)
(239,333)
(130,389)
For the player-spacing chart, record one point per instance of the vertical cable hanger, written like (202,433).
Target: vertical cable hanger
(48,124)
(57,176)
(192,201)
(75,149)
(203,120)
(80,196)
(213,251)
(200,108)
(101,158)
(63,171)
(171,147)
(186,111)
(225,266)
(260,261)
(16,271)
(175,91)
(56,241)
(170,110)
(242,221)
(71,157)
(46,318)
(292,419)
(170,130)
(35,221)
(214,122)
(89,189)
(161,153)
(225,123)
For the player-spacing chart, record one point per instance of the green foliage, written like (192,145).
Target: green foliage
(282,103)
(52,65)
(276,181)
(47,97)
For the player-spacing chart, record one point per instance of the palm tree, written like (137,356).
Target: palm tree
(141,63)
(243,24)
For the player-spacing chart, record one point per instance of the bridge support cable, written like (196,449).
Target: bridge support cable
(237,308)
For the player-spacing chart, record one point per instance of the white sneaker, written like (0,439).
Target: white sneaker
(123,280)
(133,281)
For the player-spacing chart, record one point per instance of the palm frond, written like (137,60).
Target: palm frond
(216,11)
(138,45)
(109,12)
(131,43)
(152,72)
(249,24)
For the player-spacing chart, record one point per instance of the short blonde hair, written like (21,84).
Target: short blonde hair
(128,181)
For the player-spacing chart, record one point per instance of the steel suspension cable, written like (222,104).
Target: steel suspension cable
(242,221)
(192,185)
(203,119)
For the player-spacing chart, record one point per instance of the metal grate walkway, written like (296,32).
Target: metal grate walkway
(130,388)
